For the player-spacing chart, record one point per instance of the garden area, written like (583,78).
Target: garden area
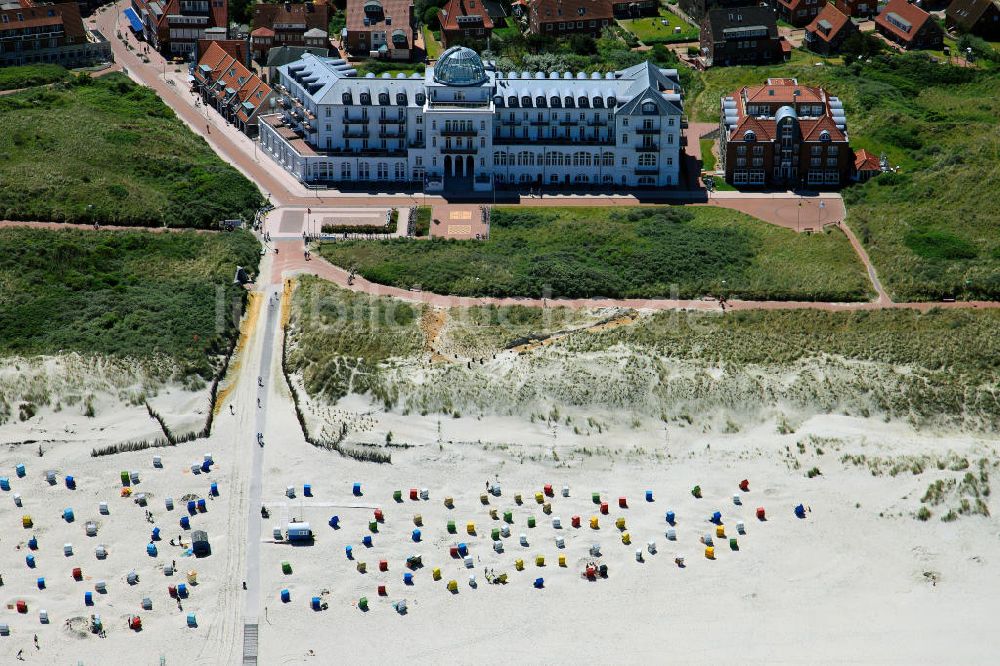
(125,293)
(662,29)
(619,252)
(110,151)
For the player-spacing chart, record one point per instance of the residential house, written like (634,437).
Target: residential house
(463,126)
(46,32)
(741,36)
(238,48)
(173,27)
(697,9)
(866,165)
(229,87)
(463,22)
(289,24)
(828,31)
(909,26)
(978,17)
(798,12)
(562,18)
(783,134)
(381,28)
(856,8)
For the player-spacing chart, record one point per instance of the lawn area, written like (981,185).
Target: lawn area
(623,252)
(652,30)
(390,67)
(431,44)
(126,293)
(108,150)
(926,228)
(707,157)
(25,76)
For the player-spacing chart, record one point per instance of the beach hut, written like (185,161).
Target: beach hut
(407,578)
(43,616)
(604,508)
(626,538)
(508,516)
(716,518)
(373,526)
(199,544)
(594,523)
(463,549)
(182,590)
(397,495)
(4,483)
(335,522)
(147,603)
(88,598)
(720,532)
(519,564)
(800,511)
(102,508)
(157,461)
(436,573)
(213,489)
(135,623)
(71,483)
(449,503)
(101,586)
(185,523)
(707,540)
(761,515)
(505,530)
(290,491)
(30,561)
(307,490)
(90,527)
(33,542)
(379,516)
(349,552)
(50,476)
(22,606)
(620,523)
(539,498)
(192,620)
(696,491)
(467,560)
(67,549)
(140,499)
(539,583)
(132,578)
(595,550)
(622,503)
(362,567)
(671,518)
(101,552)
(134,477)
(518,499)
(638,555)
(77,573)
(68,515)
(168,570)
(17,499)
(651,547)
(192,507)
(4,629)
(547,508)
(649,495)
(169,503)
(470,528)
(709,552)
(276,533)
(745,485)
(202,506)
(155,534)
(565,491)
(383,565)
(125,479)
(733,544)
(452,586)
(206,466)
(425,494)
(414,494)
(596,498)
(498,546)
(524,539)
(560,542)
(315,604)
(363,603)
(26,521)
(286,596)
(151,549)
(415,535)
(557,523)
(671,534)
(736,499)
(531,521)
(575,521)
(366,541)
(451,527)
(484,498)
(19,470)
(741,528)
(299,531)
(383,591)
(356,490)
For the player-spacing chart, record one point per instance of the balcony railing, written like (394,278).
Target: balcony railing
(392,121)
(648,130)
(647,170)
(355,134)
(459,131)
(391,134)
(464,150)
(355,121)
(648,148)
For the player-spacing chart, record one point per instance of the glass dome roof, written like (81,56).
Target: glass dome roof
(459,66)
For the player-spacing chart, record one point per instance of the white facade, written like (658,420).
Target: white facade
(463,125)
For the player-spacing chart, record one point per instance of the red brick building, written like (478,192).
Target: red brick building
(289,24)
(464,21)
(561,18)
(226,85)
(866,165)
(856,8)
(41,32)
(783,134)
(386,28)
(909,26)
(828,31)
(740,36)
(798,12)
(173,27)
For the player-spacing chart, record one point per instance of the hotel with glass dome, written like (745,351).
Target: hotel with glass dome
(463,126)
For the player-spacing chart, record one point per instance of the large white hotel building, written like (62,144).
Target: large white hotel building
(464,126)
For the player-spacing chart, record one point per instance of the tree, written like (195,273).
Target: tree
(583,45)
(861,44)
(430,17)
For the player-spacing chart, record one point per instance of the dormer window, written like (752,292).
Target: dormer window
(420,98)
(346,98)
(383,99)
(366,98)
(824,136)
(401,99)
(648,108)
(749,136)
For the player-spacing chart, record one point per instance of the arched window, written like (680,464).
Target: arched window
(496,159)
(647,160)
(609,159)
(749,136)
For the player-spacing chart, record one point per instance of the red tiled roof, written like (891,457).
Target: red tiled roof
(866,161)
(563,10)
(792,5)
(782,90)
(811,128)
(831,15)
(399,12)
(455,8)
(262,32)
(910,13)
(234,75)
(267,15)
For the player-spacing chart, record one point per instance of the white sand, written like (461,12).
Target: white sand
(853,582)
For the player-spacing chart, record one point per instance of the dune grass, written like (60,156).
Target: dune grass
(127,294)
(111,151)
(623,252)
(26,76)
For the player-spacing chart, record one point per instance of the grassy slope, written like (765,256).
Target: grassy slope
(115,146)
(632,252)
(25,76)
(650,30)
(122,293)
(926,229)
